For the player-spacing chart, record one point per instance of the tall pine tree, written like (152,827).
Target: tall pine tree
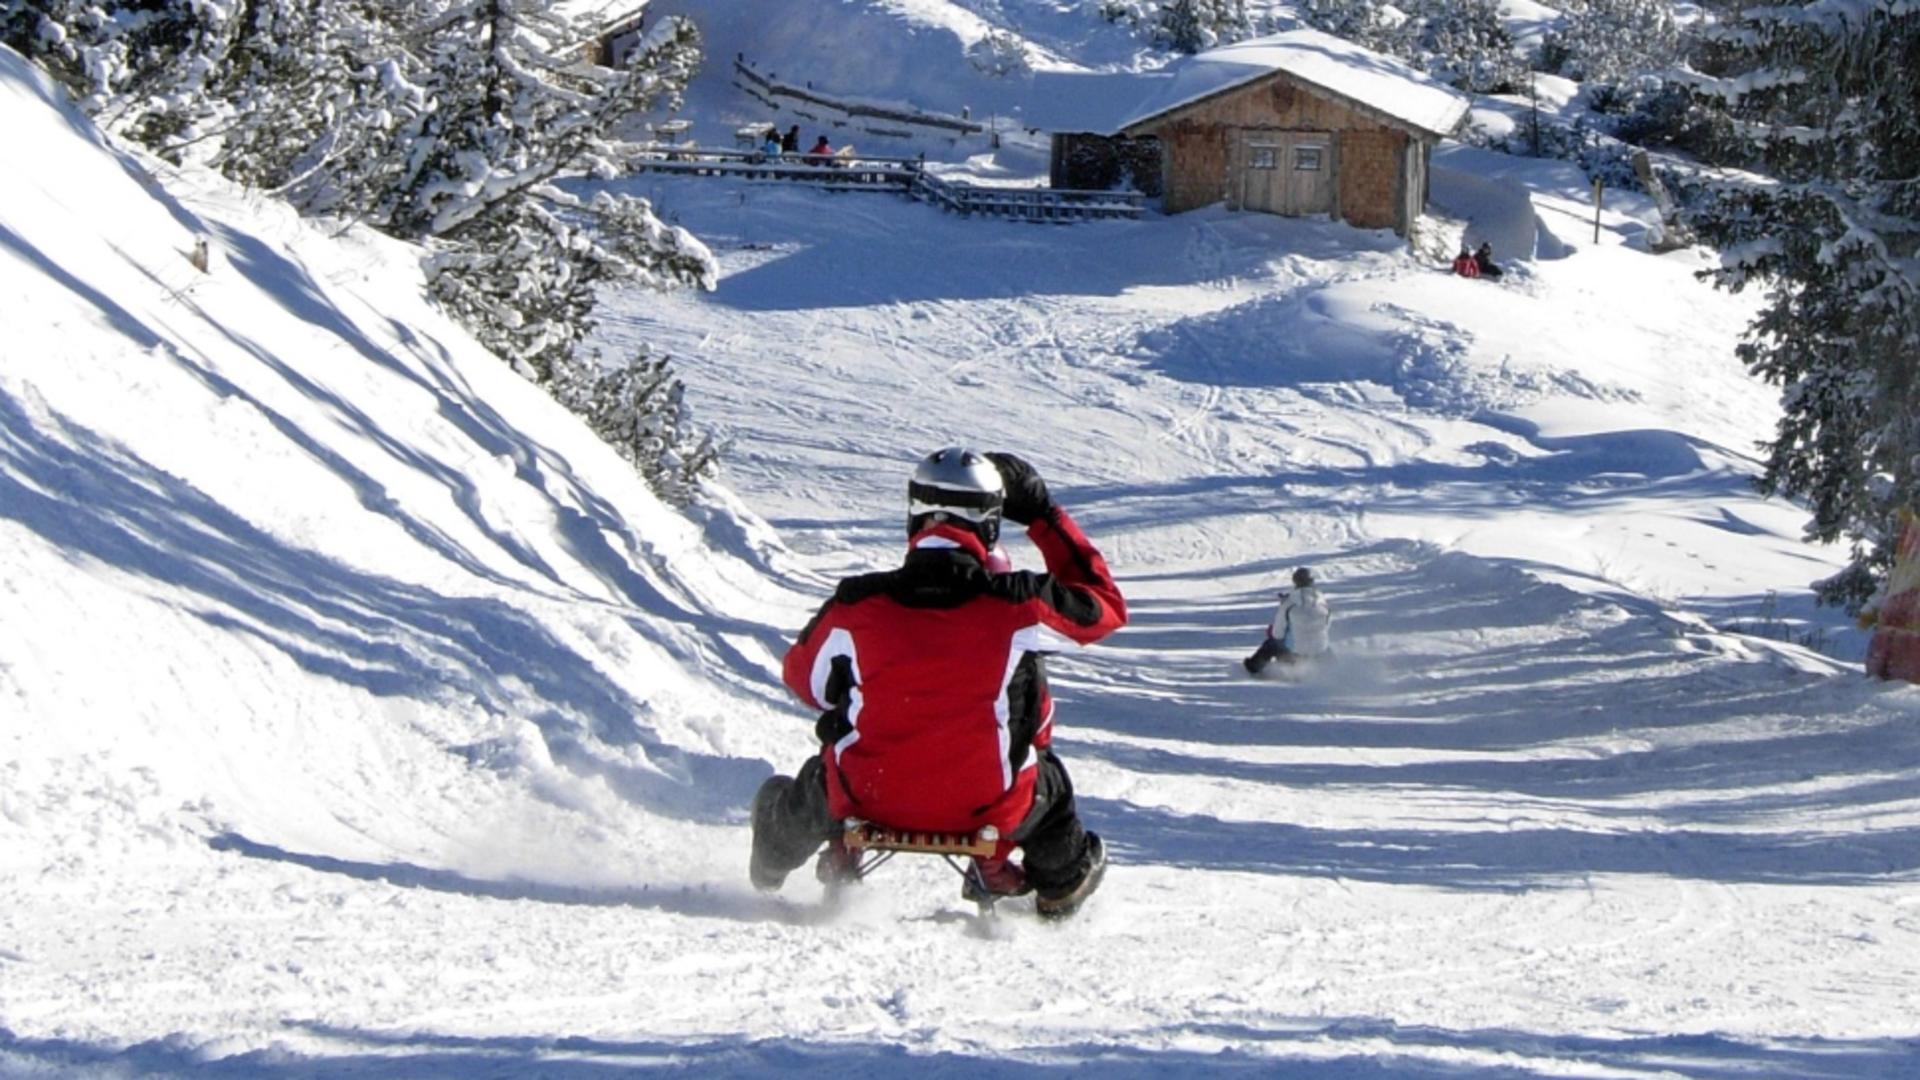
(1826,98)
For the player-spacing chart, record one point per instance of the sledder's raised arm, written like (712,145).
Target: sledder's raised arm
(933,698)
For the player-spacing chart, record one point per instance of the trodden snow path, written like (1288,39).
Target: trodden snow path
(1539,791)
(360,716)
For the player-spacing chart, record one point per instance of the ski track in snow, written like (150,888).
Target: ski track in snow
(420,747)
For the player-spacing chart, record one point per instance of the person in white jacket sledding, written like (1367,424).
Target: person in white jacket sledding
(1299,627)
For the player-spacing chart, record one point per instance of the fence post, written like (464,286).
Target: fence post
(1599,186)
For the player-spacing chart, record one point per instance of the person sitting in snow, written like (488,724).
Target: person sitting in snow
(1299,627)
(1465,265)
(934,716)
(1483,260)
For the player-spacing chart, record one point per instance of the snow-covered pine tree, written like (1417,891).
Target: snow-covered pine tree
(1192,26)
(1464,42)
(316,92)
(523,276)
(1187,26)
(140,68)
(1364,22)
(1000,54)
(518,257)
(270,90)
(1826,99)
(1614,41)
(638,408)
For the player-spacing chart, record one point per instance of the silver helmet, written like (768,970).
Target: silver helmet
(956,484)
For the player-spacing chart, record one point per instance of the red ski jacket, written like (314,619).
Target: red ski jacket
(930,680)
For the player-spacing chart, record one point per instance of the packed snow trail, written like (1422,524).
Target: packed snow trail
(360,715)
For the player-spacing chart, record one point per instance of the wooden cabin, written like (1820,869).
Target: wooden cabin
(1300,123)
(612,28)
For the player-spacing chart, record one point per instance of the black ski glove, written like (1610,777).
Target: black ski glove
(1027,497)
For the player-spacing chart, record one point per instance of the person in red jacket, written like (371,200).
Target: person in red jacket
(935,714)
(1466,265)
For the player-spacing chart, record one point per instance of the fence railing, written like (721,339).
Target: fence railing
(906,176)
(840,170)
(1028,204)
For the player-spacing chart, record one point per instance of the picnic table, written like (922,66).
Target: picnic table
(671,131)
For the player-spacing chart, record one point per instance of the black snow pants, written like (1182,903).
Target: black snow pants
(1269,651)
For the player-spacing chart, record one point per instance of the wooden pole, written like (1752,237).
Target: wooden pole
(1533,101)
(1598,187)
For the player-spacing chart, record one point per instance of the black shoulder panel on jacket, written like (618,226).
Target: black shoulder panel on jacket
(1076,604)
(863,587)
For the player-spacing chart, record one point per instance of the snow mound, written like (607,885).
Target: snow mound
(1352,332)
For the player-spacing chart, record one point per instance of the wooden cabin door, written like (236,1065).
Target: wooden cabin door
(1261,186)
(1285,172)
(1308,169)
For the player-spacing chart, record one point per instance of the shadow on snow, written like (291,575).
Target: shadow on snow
(1348,1049)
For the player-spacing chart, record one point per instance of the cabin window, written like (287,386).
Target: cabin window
(1263,157)
(1307,158)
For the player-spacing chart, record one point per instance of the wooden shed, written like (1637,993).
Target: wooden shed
(1297,123)
(610,28)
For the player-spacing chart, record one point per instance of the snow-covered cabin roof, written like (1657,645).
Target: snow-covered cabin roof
(600,14)
(1380,83)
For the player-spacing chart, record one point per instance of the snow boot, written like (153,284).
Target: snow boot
(1062,902)
(837,865)
(1002,879)
(765,876)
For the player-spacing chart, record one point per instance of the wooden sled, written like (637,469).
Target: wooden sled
(865,846)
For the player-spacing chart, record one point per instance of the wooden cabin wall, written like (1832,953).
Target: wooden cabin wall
(1194,173)
(1368,154)
(1370,178)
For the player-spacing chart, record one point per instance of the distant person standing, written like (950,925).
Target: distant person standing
(1299,627)
(790,142)
(822,152)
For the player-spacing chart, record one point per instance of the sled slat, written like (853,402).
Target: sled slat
(861,836)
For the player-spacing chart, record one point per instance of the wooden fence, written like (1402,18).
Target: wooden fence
(839,171)
(907,176)
(1028,204)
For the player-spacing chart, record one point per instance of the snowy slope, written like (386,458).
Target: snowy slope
(292,565)
(359,715)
